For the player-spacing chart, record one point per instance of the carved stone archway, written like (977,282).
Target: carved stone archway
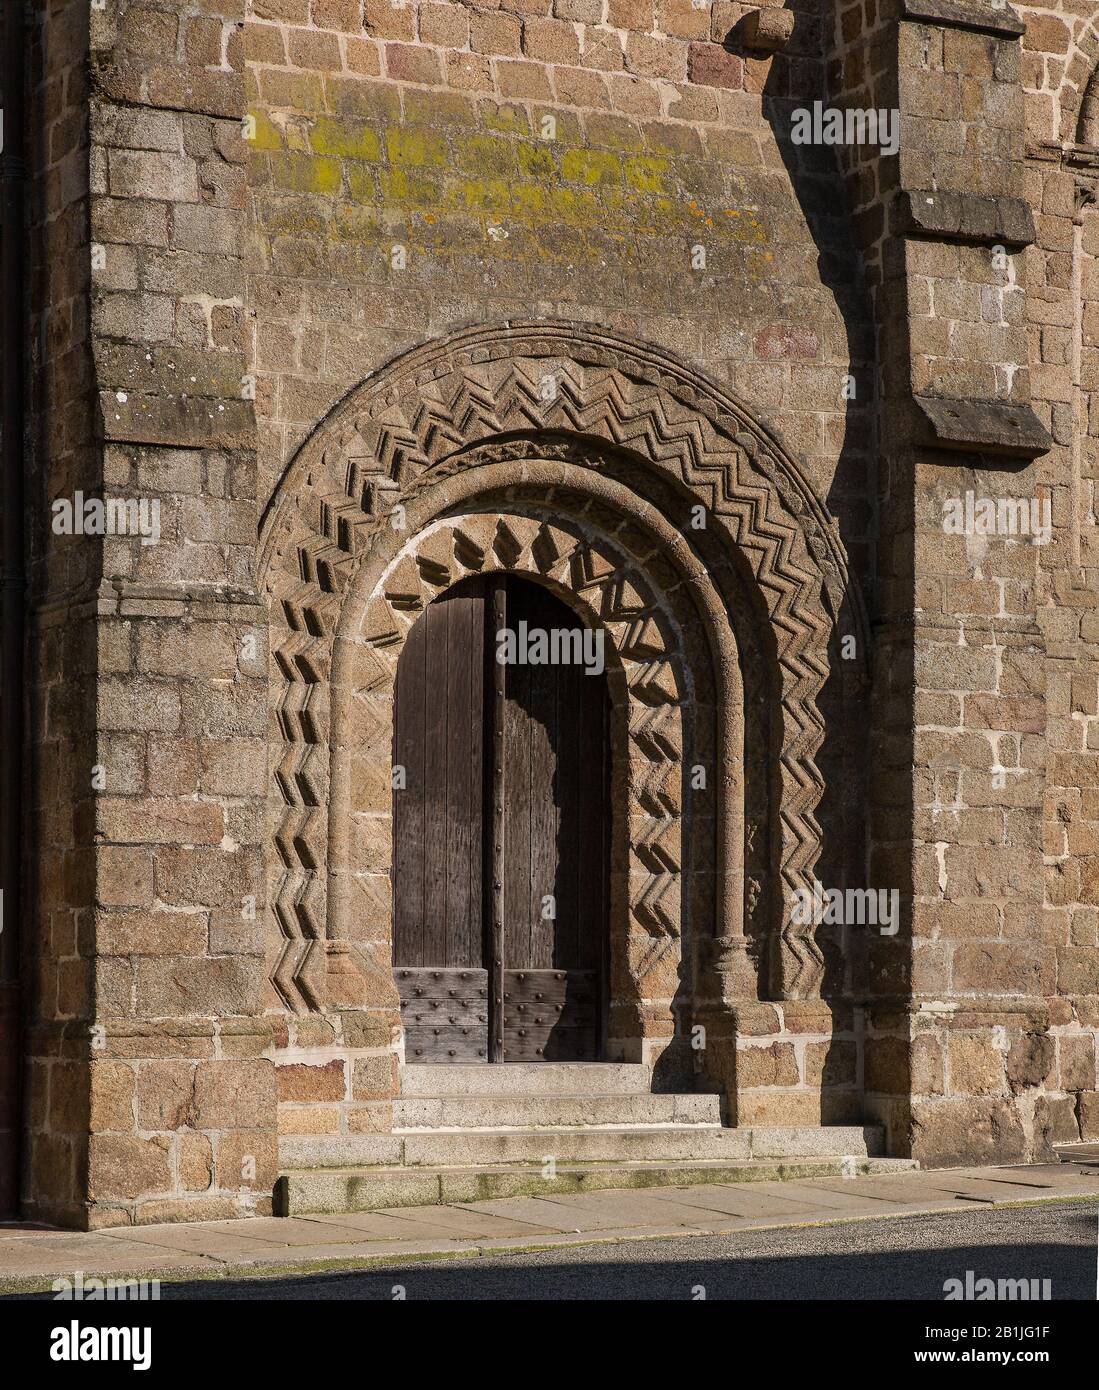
(632,421)
(653,735)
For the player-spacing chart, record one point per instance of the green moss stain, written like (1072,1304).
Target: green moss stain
(347,139)
(645,173)
(409,188)
(306,174)
(485,155)
(591,167)
(535,161)
(509,120)
(480,195)
(265,134)
(416,148)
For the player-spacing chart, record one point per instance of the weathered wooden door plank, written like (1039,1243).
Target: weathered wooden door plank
(498,821)
(438,933)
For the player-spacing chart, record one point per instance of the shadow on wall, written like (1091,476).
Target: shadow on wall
(857,963)
(843,760)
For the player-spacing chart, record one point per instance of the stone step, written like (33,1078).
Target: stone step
(655,1144)
(527,1079)
(554,1111)
(1077,1152)
(366,1189)
(474,1148)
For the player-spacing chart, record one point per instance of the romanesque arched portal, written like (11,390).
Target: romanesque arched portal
(652,502)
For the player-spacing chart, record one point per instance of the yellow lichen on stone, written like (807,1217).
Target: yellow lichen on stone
(409,188)
(304,91)
(355,224)
(591,167)
(481,195)
(345,138)
(536,161)
(292,216)
(528,200)
(645,173)
(575,206)
(511,120)
(485,155)
(543,187)
(416,147)
(306,174)
(295,136)
(265,134)
(360,183)
(746,226)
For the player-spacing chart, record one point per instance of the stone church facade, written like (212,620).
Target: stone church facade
(372,298)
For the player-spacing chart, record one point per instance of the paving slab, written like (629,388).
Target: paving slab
(559,1214)
(629,1209)
(899,1191)
(68,1244)
(111,1257)
(1079,1186)
(835,1200)
(974,1190)
(189,1239)
(416,1223)
(374,1225)
(368,1249)
(714,1209)
(286,1233)
(1019,1177)
(462,1222)
(514,1223)
(442,1232)
(604,1234)
(744,1201)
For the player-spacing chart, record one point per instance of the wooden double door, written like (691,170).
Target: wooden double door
(501,830)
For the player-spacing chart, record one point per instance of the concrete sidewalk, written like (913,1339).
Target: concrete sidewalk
(30,1257)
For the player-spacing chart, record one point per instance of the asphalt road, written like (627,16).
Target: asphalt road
(900,1258)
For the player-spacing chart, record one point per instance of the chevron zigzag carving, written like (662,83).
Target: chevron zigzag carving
(414,421)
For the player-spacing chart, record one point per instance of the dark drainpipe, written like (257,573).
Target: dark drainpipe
(13,346)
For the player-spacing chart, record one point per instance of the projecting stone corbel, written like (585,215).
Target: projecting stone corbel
(947,215)
(1008,428)
(766,30)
